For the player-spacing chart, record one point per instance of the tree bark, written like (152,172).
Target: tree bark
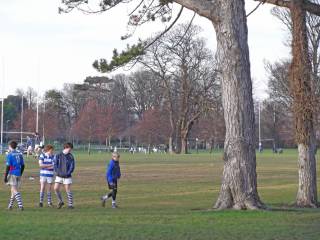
(172,125)
(184,141)
(300,83)
(239,180)
(178,137)
(309,6)
(170,145)
(184,145)
(211,145)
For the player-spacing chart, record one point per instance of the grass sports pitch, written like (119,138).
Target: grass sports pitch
(162,197)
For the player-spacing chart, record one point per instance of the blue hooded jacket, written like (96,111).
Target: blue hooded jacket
(113,171)
(64,165)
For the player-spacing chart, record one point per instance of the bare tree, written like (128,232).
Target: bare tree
(56,108)
(74,99)
(145,90)
(31,95)
(187,77)
(278,84)
(300,76)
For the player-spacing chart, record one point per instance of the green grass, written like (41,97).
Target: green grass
(162,197)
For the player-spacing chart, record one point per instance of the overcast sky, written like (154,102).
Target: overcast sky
(43,49)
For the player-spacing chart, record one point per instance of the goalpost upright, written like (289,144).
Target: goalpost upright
(1,141)
(38,84)
(2,105)
(260,123)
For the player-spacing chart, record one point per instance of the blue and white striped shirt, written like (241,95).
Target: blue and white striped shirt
(46,160)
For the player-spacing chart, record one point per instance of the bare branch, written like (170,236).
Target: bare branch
(136,8)
(188,28)
(308,6)
(256,8)
(202,7)
(280,3)
(166,30)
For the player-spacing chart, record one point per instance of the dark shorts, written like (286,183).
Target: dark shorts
(113,185)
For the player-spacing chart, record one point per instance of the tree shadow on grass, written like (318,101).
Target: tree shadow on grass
(277,207)
(281,207)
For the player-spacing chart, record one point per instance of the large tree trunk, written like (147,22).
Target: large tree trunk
(170,145)
(300,81)
(184,142)
(172,126)
(184,134)
(239,180)
(178,137)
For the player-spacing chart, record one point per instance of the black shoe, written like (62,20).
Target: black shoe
(70,207)
(21,208)
(60,204)
(41,204)
(103,202)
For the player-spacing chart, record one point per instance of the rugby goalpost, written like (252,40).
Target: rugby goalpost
(21,132)
(22,113)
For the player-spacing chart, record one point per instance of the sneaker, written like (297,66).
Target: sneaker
(60,204)
(41,204)
(9,208)
(70,207)
(50,205)
(21,208)
(103,202)
(114,205)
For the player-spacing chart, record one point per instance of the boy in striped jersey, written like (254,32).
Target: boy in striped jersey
(13,173)
(46,173)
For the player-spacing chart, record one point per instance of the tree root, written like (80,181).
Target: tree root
(306,205)
(245,205)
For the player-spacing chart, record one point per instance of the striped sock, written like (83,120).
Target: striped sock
(11,201)
(105,197)
(19,199)
(70,198)
(49,198)
(41,197)
(58,193)
(109,195)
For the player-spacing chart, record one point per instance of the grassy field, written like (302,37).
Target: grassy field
(162,197)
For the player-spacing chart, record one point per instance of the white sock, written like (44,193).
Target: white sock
(113,202)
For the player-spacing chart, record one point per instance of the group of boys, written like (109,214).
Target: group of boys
(62,166)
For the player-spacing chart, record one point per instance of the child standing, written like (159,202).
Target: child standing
(13,173)
(64,166)
(46,173)
(112,175)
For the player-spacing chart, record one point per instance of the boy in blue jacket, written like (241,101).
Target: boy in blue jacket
(112,175)
(63,167)
(13,173)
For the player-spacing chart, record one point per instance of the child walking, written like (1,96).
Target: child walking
(13,173)
(112,175)
(64,166)
(46,174)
